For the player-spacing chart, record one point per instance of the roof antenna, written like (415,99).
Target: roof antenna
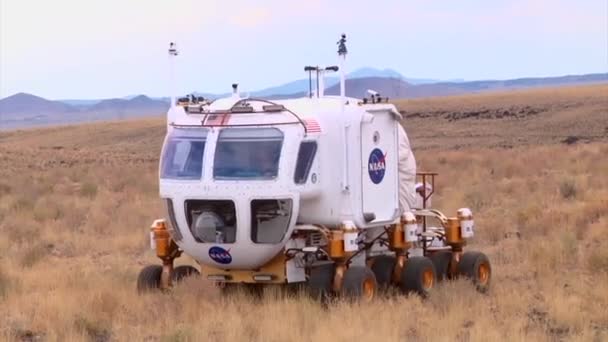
(342,51)
(172,54)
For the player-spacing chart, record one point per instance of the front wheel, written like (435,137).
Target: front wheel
(184,271)
(149,278)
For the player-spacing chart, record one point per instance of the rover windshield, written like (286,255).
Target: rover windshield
(182,156)
(248,153)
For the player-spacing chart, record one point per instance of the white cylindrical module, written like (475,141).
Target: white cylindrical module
(350,236)
(465,216)
(411,227)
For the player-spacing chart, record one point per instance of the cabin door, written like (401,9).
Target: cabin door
(379,157)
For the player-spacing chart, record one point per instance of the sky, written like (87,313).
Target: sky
(64,49)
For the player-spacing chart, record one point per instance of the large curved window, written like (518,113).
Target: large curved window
(248,153)
(183,154)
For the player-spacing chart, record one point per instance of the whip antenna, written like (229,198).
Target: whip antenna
(342,51)
(172,54)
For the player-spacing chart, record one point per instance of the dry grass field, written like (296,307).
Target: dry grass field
(510,118)
(76,203)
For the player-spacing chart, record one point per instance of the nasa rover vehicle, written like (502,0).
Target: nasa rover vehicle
(319,190)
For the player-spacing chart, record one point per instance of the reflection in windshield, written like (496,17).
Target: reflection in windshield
(248,153)
(183,154)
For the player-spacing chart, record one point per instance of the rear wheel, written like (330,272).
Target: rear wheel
(418,276)
(359,282)
(149,278)
(320,281)
(184,271)
(476,266)
(441,260)
(383,267)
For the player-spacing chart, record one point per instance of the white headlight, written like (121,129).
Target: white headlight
(207,227)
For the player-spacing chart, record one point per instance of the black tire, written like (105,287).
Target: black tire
(320,281)
(359,282)
(149,278)
(383,267)
(476,266)
(184,271)
(441,260)
(418,276)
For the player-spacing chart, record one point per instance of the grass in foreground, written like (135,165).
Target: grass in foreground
(76,203)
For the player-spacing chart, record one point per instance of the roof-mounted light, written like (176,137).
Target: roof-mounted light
(241,109)
(273,108)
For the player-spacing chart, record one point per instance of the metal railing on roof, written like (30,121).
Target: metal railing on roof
(243,107)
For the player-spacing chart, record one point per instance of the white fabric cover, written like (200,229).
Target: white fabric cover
(407,173)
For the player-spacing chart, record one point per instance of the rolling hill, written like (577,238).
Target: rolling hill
(23,105)
(397,88)
(23,110)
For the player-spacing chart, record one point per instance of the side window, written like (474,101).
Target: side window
(306,155)
(182,156)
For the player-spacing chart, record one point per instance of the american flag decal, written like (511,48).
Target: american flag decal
(312,126)
(217,119)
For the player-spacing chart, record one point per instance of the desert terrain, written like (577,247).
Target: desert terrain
(76,203)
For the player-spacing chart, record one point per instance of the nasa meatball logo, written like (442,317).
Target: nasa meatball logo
(220,255)
(376,166)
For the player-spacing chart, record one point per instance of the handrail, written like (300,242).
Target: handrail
(276,104)
(243,101)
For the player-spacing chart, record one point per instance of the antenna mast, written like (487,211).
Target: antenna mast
(342,51)
(172,54)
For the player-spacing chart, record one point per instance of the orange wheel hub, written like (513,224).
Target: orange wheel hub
(369,288)
(483,273)
(427,278)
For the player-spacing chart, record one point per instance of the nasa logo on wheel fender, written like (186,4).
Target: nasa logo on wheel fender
(220,255)
(376,165)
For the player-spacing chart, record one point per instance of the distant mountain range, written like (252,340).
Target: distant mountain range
(301,86)
(396,88)
(22,110)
